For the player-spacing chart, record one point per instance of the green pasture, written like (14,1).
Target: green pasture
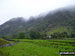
(38,47)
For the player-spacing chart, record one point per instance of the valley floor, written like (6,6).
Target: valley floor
(38,48)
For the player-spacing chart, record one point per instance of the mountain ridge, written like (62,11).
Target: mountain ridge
(45,23)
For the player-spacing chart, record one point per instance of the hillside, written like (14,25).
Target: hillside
(61,20)
(12,26)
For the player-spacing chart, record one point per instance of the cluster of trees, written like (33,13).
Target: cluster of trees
(29,35)
(20,35)
(38,35)
(59,35)
(63,35)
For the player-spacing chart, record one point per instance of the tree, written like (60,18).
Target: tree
(72,35)
(21,35)
(14,36)
(43,36)
(34,35)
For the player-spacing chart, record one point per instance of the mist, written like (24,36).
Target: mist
(26,8)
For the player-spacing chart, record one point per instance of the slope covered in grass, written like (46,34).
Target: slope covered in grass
(59,29)
(29,49)
(38,47)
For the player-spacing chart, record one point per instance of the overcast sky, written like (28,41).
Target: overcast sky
(26,8)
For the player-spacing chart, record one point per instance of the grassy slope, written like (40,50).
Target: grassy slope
(38,48)
(59,29)
(29,49)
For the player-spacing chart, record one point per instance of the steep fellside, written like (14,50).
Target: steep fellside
(52,21)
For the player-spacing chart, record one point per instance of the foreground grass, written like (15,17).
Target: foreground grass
(29,49)
(38,48)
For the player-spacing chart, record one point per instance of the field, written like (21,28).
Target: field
(26,47)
